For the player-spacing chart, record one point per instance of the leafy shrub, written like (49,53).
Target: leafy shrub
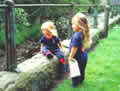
(24,33)
(21,16)
(63,26)
(2,37)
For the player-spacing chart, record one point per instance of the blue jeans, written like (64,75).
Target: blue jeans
(56,52)
(59,54)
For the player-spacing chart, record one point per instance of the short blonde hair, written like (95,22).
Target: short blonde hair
(50,26)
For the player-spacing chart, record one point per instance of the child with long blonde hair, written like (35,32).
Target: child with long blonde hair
(79,42)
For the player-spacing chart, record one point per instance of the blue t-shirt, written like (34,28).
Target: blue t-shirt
(51,44)
(77,41)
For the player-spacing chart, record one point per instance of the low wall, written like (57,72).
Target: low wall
(32,75)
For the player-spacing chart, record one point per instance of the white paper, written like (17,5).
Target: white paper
(74,68)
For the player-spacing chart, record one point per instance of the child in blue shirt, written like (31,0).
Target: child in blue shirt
(50,43)
(79,42)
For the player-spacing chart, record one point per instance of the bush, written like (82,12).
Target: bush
(24,33)
(63,27)
(2,38)
(35,32)
(21,16)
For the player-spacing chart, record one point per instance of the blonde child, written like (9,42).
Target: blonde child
(79,42)
(50,43)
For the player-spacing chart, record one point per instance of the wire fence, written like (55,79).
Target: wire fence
(27,18)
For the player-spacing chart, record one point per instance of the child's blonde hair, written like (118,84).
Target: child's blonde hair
(50,26)
(83,24)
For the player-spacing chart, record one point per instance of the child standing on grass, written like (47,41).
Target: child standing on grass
(79,42)
(50,43)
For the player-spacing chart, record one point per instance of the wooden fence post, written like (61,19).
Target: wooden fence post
(95,16)
(104,33)
(10,35)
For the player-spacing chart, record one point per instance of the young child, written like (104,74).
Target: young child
(50,43)
(79,42)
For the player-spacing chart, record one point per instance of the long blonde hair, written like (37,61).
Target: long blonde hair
(82,22)
(50,26)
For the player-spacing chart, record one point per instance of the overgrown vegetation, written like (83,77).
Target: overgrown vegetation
(2,37)
(31,33)
(24,30)
(28,20)
(102,72)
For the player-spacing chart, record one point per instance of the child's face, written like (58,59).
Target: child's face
(75,27)
(47,34)
(75,24)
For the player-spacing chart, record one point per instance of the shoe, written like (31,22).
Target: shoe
(75,85)
(75,82)
(49,56)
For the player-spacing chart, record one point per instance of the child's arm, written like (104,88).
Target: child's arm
(61,46)
(41,41)
(72,52)
(41,46)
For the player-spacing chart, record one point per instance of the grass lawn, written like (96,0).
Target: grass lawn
(103,72)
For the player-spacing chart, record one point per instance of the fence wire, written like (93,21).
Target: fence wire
(29,20)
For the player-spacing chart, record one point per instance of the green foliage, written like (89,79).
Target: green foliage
(21,16)
(45,13)
(2,37)
(78,1)
(102,68)
(23,33)
(25,15)
(63,27)
(1,15)
(35,32)
(21,27)
(85,2)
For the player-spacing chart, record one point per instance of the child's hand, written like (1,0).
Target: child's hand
(62,49)
(70,59)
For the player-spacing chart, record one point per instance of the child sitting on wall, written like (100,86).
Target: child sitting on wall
(50,43)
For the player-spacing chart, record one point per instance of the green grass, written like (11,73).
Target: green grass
(103,72)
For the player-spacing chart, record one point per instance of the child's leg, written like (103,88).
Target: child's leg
(60,56)
(80,79)
(82,66)
(47,52)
